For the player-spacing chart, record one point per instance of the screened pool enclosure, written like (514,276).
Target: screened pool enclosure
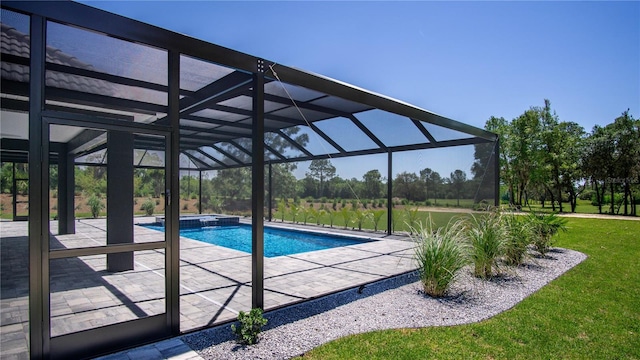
(83,87)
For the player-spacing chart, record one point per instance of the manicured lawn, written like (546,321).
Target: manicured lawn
(591,312)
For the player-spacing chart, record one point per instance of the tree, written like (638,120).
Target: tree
(523,150)
(500,126)
(612,159)
(457,180)
(572,136)
(598,160)
(372,184)
(483,171)
(407,185)
(322,170)
(234,183)
(283,181)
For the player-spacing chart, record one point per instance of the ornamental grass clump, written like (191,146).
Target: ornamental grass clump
(487,242)
(519,234)
(440,255)
(544,227)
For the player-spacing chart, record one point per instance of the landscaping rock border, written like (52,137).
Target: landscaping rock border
(396,302)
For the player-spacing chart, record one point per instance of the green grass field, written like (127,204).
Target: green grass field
(591,312)
(438,218)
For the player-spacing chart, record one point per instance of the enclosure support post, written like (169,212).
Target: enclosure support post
(389,193)
(38,226)
(199,191)
(270,192)
(66,187)
(496,154)
(257,189)
(172,197)
(120,198)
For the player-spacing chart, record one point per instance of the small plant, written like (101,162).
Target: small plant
(487,242)
(440,254)
(544,227)
(354,204)
(360,217)
(319,214)
(412,218)
(250,326)
(307,214)
(332,216)
(148,207)
(397,218)
(377,216)
(282,208)
(95,205)
(346,216)
(294,212)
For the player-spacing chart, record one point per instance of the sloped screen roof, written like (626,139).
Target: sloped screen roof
(120,69)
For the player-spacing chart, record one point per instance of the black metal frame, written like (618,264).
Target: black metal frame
(248,78)
(130,333)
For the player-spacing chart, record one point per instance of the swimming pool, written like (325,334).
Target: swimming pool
(277,242)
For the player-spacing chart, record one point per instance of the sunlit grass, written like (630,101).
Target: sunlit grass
(591,312)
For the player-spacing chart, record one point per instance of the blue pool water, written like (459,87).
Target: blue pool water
(277,242)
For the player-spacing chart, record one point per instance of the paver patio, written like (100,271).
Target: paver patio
(215,282)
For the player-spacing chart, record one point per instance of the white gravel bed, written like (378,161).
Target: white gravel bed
(392,303)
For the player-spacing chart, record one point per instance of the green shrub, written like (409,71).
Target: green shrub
(148,207)
(440,255)
(544,227)
(95,205)
(250,326)
(519,235)
(487,242)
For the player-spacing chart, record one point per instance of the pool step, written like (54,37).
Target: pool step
(187,222)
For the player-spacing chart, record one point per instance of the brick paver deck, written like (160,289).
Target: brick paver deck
(215,282)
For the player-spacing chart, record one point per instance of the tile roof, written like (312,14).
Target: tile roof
(16,43)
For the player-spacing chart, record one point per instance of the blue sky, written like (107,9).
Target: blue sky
(464,60)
